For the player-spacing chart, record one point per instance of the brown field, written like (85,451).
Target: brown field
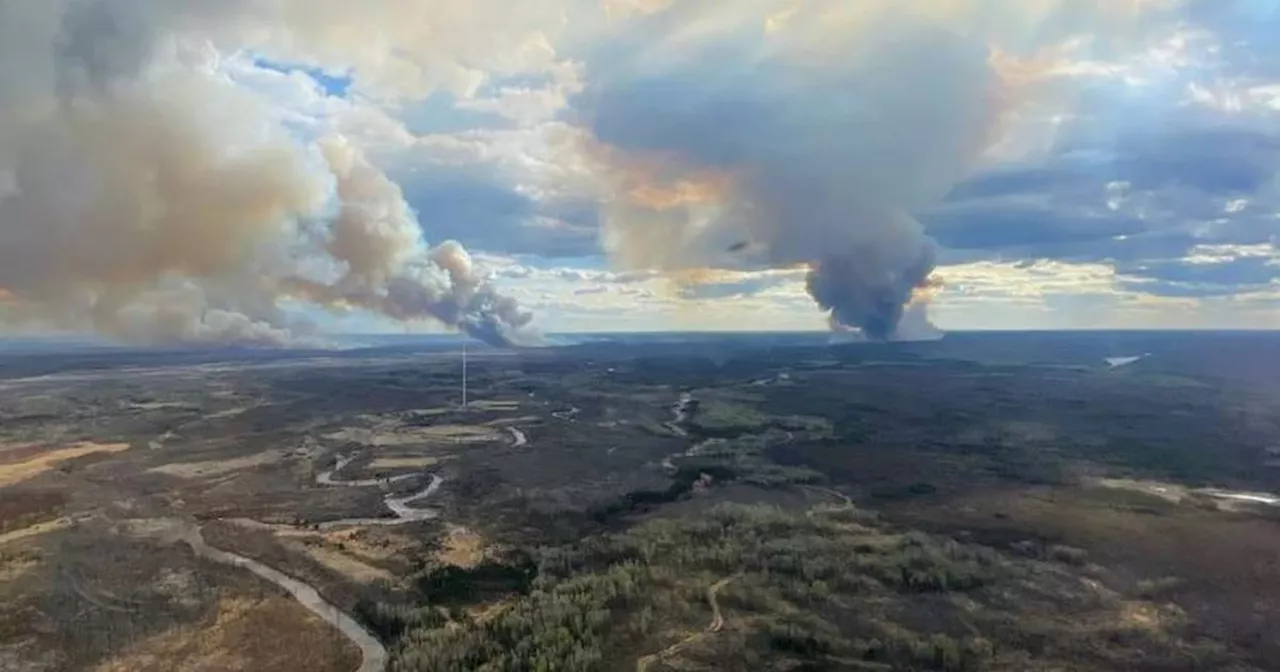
(489,405)
(20,508)
(462,548)
(403,462)
(17,472)
(409,436)
(337,559)
(375,545)
(216,468)
(35,530)
(232,640)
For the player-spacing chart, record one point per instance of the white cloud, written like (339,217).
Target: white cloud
(1217,254)
(514,173)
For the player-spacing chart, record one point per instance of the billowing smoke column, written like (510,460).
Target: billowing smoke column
(146,197)
(377,240)
(808,138)
(866,295)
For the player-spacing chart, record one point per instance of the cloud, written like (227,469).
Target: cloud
(486,212)
(1140,179)
(737,285)
(1213,158)
(738,136)
(440,113)
(715,150)
(331,84)
(1208,270)
(802,133)
(1244,32)
(150,197)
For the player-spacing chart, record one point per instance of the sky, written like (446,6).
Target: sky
(615,165)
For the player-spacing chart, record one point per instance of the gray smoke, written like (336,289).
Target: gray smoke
(145,197)
(863,292)
(797,134)
(377,240)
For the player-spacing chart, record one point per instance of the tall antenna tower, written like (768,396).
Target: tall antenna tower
(464,372)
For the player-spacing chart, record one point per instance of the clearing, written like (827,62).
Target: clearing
(17,472)
(403,462)
(214,468)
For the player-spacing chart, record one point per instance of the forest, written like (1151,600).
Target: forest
(761,587)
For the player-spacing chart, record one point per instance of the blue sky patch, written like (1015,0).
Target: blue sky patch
(333,84)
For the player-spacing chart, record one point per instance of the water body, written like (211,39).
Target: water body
(327,478)
(373,653)
(399,506)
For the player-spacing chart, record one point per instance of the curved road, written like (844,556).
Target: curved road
(846,502)
(716,625)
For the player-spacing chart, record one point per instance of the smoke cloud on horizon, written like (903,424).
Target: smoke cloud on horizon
(149,195)
(147,198)
(770,134)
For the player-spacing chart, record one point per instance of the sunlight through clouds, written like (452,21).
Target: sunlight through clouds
(748,164)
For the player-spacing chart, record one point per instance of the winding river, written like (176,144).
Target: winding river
(373,653)
(397,505)
(326,478)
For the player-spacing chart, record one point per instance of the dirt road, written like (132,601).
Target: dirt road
(716,625)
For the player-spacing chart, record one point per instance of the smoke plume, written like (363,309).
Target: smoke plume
(146,197)
(770,134)
(377,240)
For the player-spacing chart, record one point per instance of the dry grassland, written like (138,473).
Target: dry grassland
(17,472)
(235,641)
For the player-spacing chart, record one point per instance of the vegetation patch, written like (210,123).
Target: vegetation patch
(231,640)
(16,472)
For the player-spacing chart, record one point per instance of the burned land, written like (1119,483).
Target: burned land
(984,502)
